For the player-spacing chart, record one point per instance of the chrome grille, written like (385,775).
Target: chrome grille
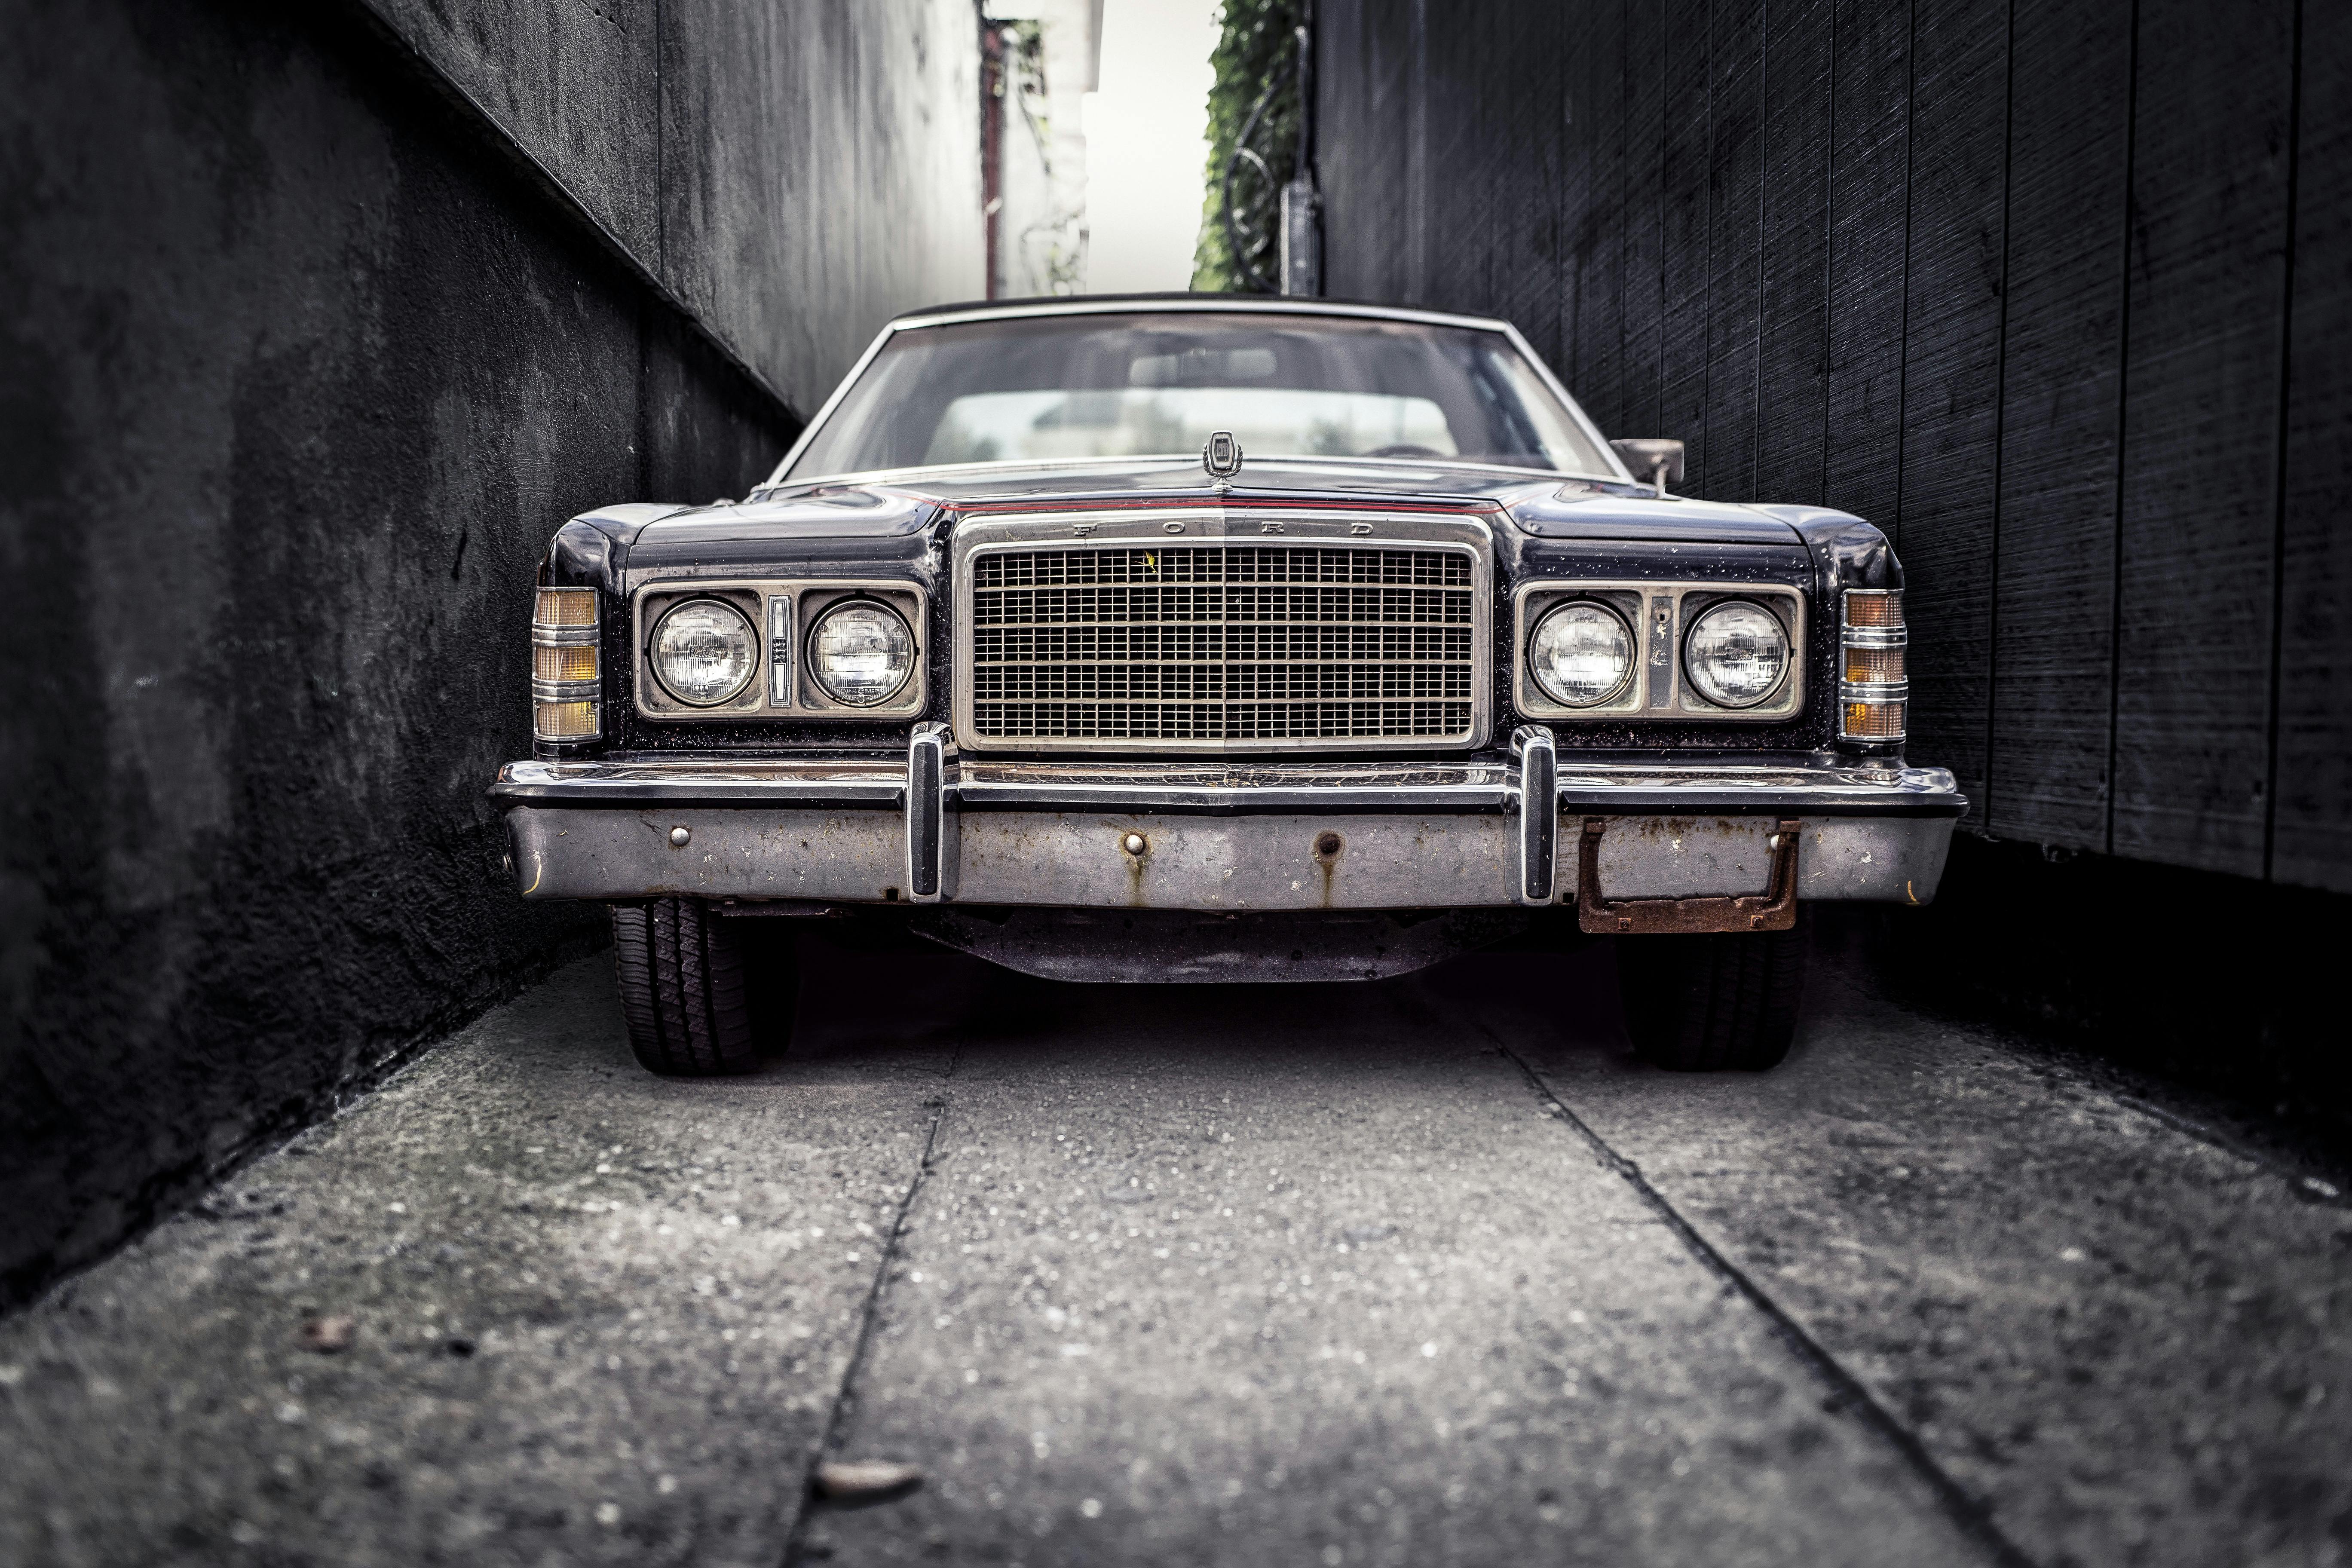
(1213,646)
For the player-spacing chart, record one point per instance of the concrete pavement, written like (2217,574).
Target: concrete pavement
(1420,1271)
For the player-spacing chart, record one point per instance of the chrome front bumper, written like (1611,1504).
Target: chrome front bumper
(1309,835)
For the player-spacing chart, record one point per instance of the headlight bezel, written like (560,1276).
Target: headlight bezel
(1660,613)
(781,610)
(1694,623)
(846,605)
(1614,617)
(752,661)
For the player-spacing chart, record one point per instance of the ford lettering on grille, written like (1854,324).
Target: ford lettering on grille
(1224,646)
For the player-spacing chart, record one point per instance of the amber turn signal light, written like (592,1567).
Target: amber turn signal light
(1874,607)
(1874,720)
(564,721)
(563,663)
(1876,687)
(566,667)
(565,607)
(1873,666)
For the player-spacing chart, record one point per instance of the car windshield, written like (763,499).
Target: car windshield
(1146,384)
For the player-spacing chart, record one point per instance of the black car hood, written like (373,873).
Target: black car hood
(1545,505)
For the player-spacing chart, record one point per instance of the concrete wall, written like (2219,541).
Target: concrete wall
(750,158)
(302,357)
(2059,294)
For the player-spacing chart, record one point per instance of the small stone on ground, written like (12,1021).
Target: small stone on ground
(865,1480)
(328,1335)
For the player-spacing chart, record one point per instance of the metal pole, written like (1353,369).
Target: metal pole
(1302,229)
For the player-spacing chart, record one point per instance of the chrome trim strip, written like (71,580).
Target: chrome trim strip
(1538,829)
(877,785)
(564,636)
(926,813)
(566,690)
(1875,636)
(1874,690)
(1221,305)
(1470,799)
(1479,788)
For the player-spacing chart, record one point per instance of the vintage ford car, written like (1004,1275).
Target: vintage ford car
(1201,638)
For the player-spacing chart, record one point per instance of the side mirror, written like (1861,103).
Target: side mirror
(1653,459)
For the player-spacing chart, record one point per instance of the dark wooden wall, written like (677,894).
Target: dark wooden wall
(2058,293)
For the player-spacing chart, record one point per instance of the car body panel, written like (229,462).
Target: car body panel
(795,811)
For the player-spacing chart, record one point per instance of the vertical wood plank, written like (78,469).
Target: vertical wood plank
(1575,199)
(1869,165)
(1341,82)
(1399,111)
(1734,245)
(1418,237)
(1951,374)
(2201,427)
(2312,828)
(1792,370)
(1684,192)
(1526,94)
(1641,397)
(1460,179)
(2070,125)
(1346,86)
(1593,215)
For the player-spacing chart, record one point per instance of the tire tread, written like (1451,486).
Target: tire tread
(685,989)
(1726,1001)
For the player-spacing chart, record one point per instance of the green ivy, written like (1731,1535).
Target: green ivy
(1254,45)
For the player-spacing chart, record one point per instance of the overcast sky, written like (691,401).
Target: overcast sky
(1146,144)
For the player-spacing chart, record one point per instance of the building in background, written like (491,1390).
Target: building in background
(1147,144)
(1040,58)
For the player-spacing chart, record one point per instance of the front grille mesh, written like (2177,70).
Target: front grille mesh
(1212,644)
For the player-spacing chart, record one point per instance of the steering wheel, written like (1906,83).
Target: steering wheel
(1403,451)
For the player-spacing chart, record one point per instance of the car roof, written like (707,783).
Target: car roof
(1267,304)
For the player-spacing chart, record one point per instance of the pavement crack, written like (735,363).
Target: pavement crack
(1848,1392)
(845,1397)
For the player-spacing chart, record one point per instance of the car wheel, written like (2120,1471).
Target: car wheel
(1714,1002)
(685,989)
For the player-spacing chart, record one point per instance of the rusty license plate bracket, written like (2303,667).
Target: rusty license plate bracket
(1773,909)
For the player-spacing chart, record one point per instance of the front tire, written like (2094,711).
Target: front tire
(1722,1001)
(685,991)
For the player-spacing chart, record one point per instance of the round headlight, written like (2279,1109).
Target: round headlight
(1736,655)
(861,653)
(1582,654)
(704,652)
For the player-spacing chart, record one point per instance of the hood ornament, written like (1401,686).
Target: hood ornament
(1223,456)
